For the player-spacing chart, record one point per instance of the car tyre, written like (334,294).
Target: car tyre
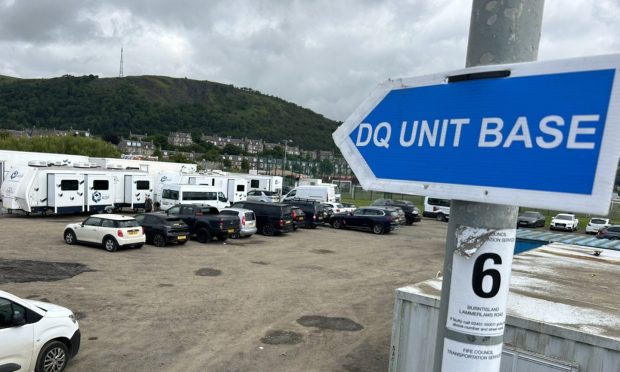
(440,217)
(267,230)
(110,244)
(222,238)
(159,240)
(53,357)
(337,224)
(203,235)
(70,237)
(378,229)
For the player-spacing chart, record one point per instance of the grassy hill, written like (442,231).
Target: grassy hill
(158,105)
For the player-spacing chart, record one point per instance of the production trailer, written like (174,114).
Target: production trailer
(43,189)
(261,182)
(136,187)
(233,187)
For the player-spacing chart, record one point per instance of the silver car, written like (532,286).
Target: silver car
(264,196)
(247,220)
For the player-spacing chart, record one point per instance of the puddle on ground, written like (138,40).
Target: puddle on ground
(93,338)
(206,271)
(325,322)
(279,337)
(260,262)
(23,271)
(321,251)
(165,285)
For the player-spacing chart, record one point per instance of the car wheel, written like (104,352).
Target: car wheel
(378,229)
(70,237)
(267,230)
(203,235)
(337,224)
(110,244)
(440,217)
(222,238)
(159,240)
(53,357)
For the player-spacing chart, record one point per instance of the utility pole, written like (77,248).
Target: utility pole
(500,32)
(120,72)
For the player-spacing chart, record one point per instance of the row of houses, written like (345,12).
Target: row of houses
(43,132)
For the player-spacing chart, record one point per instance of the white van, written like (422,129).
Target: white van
(173,194)
(322,193)
(437,208)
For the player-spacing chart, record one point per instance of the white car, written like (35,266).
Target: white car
(264,196)
(36,336)
(108,230)
(564,221)
(339,208)
(596,224)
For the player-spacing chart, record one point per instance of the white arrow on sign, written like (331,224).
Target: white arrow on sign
(542,134)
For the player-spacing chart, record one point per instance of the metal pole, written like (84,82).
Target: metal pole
(480,240)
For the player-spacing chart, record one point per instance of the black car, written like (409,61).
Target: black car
(312,209)
(412,213)
(299,217)
(611,233)
(531,219)
(206,222)
(376,219)
(271,218)
(161,229)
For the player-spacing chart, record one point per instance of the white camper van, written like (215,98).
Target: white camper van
(174,193)
(323,193)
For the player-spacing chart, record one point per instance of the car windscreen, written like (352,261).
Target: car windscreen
(564,217)
(530,214)
(598,221)
(127,223)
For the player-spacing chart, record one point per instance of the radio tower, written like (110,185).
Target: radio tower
(120,72)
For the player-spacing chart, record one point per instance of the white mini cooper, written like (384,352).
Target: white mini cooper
(109,230)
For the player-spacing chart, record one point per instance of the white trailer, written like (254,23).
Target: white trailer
(235,188)
(42,189)
(14,159)
(261,182)
(136,187)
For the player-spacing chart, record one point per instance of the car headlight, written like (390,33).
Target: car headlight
(73,318)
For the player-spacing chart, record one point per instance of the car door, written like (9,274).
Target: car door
(356,218)
(89,230)
(16,342)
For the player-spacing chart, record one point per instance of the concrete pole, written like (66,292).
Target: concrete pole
(500,32)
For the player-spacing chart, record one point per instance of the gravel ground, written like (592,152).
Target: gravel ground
(312,300)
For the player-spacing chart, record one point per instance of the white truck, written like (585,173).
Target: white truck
(322,193)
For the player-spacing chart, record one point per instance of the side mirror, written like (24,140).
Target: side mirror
(82,224)
(18,319)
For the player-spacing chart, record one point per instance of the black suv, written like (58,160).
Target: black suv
(161,229)
(412,213)
(312,209)
(206,222)
(271,218)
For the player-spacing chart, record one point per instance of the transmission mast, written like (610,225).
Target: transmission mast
(120,72)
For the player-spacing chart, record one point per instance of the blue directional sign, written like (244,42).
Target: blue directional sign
(540,134)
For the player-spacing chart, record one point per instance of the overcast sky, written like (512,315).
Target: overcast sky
(326,55)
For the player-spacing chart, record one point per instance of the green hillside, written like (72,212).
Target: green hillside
(158,105)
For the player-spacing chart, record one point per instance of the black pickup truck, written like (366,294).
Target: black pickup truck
(206,222)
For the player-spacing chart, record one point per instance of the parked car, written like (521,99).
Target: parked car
(339,207)
(161,229)
(596,224)
(206,222)
(112,231)
(379,220)
(531,219)
(37,336)
(271,218)
(299,217)
(264,196)
(436,208)
(610,232)
(313,211)
(412,213)
(564,221)
(247,221)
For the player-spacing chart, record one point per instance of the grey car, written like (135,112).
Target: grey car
(264,196)
(247,221)
(531,219)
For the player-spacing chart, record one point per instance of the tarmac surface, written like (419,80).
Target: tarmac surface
(311,300)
